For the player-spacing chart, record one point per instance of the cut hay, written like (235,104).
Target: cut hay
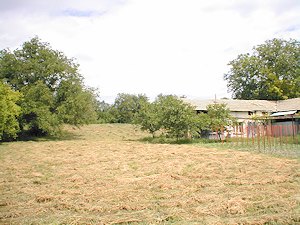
(104,176)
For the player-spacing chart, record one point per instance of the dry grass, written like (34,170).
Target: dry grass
(100,175)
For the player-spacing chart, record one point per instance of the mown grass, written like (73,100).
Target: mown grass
(103,174)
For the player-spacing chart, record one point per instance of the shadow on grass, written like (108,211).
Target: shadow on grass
(165,140)
(62,136)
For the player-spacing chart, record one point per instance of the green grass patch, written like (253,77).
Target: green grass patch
(284,147)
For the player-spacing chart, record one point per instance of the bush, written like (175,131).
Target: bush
(9,112)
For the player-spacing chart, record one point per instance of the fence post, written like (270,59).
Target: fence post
(296,134)
(280,134)
(252,134)
(222,133)
(264,136)
(286,136)
(269,136)
(247,129)
(275,135)
(258,137)
(242,134)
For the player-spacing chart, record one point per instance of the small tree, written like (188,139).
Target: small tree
(9,112)
(219,117)
(149,117)
(203,124)
(176,117)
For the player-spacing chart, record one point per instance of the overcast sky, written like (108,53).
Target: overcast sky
(177,47)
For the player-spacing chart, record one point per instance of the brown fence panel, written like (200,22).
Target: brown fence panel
(269,138)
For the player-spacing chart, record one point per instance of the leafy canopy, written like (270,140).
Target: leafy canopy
(149,117)
(53,89)
(127,107)
(105,112)
(177,118)
(9,112)
(219,117)
(271,72)
(168,114)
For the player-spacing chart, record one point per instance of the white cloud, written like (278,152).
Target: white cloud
(55,7)
(158,46)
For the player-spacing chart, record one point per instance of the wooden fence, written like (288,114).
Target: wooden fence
(274,138)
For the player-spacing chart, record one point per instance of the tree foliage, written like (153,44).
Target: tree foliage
(217,119)
(38,113)
(149,117)
(127,107)
(9,112)
(76,105)
(203,124)
(105,112)
(53,89)
(271,72)
(167,114)
(177,118)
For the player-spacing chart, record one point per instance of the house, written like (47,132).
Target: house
(247,112)
(287,114)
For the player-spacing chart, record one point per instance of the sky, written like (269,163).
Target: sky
(151,47)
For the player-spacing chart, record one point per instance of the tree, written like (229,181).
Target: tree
(149,117)
(219,117)
(76,105)
(128,106)
(9,112)
(216,119)
(53,89)
(271,72)
(203,124)
(105,112)
(38,114)
(36,61)
(177,118)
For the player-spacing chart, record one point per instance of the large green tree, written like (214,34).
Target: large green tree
(9,112)
(271,72)
(53,89)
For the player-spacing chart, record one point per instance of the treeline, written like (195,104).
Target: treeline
(167,115)
(41,89)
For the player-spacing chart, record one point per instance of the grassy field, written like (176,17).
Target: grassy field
(102,174)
